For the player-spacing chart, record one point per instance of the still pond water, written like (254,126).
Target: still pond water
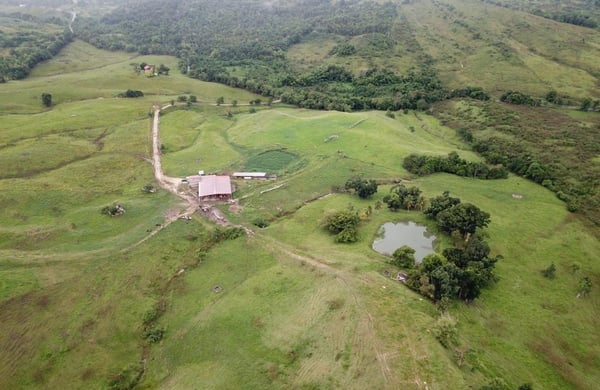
(392,236)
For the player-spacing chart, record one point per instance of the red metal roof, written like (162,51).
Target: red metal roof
(214,185)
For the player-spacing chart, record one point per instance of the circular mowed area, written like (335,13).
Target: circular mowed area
(272,161)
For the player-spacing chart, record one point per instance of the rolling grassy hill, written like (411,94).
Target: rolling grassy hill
(90,301)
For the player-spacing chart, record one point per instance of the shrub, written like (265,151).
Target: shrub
(347,236)
(130,93)
(150,316)
(364,188)
(520,98)
(343,224)
(549,272)
(260,222)
(495,384)
(222,234)
(584,287)
(46,99)
(148,188)
(445,330)
(154,335)
(112,211)
(127,379)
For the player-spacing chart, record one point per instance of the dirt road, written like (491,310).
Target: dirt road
(168,183)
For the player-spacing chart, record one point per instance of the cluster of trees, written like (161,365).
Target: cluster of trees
(24,47)
(343,49)
(402,197)
(332,87)
(462,270)
(588,104)
(343,224)
(470,92)
(515,157)
(425,165)
(364,188)
(130,93)
(520,98)
(212,47)
(228,30)
(576,18)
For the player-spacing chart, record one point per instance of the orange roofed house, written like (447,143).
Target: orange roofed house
(212,187)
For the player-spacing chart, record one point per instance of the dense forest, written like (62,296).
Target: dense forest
(244,46)
(27,40)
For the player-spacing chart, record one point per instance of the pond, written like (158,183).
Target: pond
(392,236)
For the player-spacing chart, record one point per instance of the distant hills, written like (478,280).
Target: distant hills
(320,54)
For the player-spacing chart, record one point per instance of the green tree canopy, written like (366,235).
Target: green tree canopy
(343,224)
(404,257)
(364,188)
(439,204)
(464,218)
(401,197)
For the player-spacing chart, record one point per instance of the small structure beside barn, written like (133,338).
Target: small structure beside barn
(250,175)
(213,187)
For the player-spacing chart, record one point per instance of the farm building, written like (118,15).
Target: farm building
(250,175)
(150,70)
(212,187)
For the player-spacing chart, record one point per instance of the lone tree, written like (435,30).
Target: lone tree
(364,188)
(47,99)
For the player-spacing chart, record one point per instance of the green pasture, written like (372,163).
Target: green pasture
(82,72)
(293,309)
(471,45)
(500,50)
(314,138)
(271,161)
(84,329)
(315,51)
(530,233)
(300,325)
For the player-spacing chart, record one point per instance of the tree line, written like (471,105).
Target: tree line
(425,165)
(28,46)
(244,45)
